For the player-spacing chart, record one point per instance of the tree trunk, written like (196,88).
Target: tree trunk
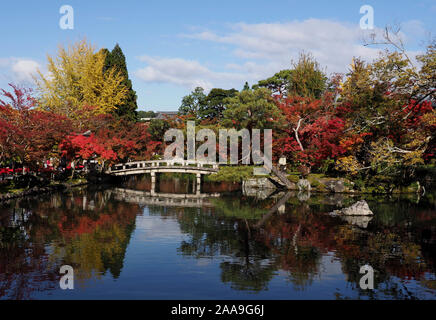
(296,134)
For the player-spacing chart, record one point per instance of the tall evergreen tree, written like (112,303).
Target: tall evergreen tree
(116,58)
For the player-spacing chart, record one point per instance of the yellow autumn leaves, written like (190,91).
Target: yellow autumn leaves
(348,164)
(77,80)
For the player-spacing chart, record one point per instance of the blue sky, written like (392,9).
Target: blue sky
(173,46)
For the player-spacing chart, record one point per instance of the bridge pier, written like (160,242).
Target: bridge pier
(198,186)
(153,182)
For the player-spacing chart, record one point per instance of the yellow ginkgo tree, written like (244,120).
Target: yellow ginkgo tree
(75,81)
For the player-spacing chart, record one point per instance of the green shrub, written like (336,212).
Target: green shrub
(231,174)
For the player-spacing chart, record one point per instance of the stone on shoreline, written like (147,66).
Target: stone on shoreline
(262,183)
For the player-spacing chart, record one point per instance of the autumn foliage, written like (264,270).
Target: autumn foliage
(379,118)
(313,130)
(28,135)
(113,141)
(31,136)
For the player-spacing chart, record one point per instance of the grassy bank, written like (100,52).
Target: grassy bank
(232,174)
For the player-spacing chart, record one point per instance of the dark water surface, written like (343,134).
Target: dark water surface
(124,244)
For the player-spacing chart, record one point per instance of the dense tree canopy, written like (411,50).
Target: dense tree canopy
(377,119)
(390,101)
(252,109)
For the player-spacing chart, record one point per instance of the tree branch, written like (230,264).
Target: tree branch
(296,134)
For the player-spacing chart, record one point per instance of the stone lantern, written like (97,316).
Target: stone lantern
(282,163)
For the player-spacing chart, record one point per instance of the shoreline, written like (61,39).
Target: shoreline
(40,190)
(320,185)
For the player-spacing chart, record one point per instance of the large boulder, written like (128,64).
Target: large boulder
(360,208)
(261,183)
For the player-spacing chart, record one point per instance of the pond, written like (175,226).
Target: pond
(224,244)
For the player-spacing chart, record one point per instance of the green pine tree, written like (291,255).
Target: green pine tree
(116,58)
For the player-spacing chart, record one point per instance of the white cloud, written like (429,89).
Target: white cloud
(332,43)
(18,69)
(266,48)
(24,69)
(186,73)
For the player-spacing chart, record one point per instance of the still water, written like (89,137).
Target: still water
(125,244)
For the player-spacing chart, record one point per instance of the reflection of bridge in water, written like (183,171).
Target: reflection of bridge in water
(196,200)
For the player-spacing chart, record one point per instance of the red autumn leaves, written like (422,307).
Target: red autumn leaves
(31,136)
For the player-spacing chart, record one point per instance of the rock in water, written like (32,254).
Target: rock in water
(360,208)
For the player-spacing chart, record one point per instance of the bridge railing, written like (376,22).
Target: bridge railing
(163,163)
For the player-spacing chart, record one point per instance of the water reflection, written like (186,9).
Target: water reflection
(283,246)
(85,230)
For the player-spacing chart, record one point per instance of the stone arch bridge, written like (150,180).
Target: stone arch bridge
(154,167)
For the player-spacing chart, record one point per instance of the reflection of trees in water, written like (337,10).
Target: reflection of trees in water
(247,276)
(246,264)
(24,270)
(91,231)
(88,231)
(393,250)
(24,266)
(94,236)
(400,242)
(296,241)
(94,253)
(390,252)
(415,224)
